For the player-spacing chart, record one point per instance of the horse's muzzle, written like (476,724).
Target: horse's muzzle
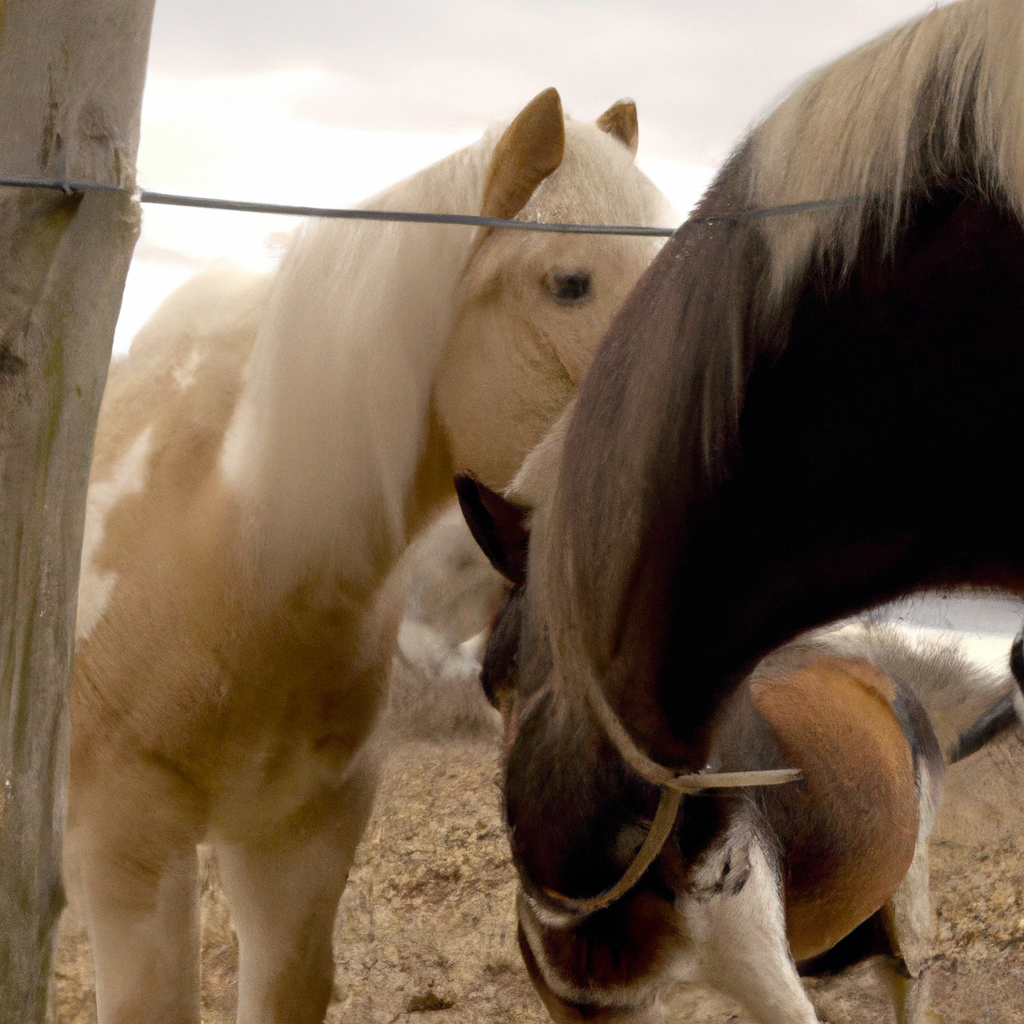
(562,1011)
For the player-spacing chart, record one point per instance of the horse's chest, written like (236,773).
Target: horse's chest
(302,704)
(850,828)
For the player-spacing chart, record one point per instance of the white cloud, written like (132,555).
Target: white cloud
(700,70)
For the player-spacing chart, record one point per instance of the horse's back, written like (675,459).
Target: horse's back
(851,827)
(185,364)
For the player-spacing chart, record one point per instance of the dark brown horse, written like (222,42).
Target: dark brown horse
(740,887)
(796,415)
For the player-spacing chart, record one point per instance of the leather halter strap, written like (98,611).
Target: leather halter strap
(672,793)
(673,787)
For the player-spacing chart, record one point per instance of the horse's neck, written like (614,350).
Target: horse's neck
(331,452)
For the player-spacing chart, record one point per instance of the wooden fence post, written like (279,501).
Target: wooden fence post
(71,78)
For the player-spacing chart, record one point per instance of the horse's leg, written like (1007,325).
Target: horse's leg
(909,927)
(910,995)
(131,865)
(283,891)
(737,922)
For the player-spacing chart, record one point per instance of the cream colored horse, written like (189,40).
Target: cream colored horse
(263,457)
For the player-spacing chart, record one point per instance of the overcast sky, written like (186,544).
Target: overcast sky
(700,70)
(328,101)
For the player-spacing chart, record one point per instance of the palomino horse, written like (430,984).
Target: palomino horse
(263,457)
(799,413)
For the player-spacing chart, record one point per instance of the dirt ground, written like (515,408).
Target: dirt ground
(426,930)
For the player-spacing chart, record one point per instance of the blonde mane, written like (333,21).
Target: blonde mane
(940,98)
(326,441)
(331,421)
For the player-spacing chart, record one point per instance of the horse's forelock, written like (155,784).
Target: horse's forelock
(598,182)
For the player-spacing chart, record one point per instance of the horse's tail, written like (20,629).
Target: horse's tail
(993,723)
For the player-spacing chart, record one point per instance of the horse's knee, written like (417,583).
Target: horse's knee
(283,886)
(131,866)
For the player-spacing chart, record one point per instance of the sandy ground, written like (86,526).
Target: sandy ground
(426,929)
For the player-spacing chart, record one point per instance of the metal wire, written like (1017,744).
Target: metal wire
(401,216)
(67,187)
(814,206)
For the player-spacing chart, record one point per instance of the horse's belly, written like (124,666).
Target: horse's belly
(854,829)
(272,786)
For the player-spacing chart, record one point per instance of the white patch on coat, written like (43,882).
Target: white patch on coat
(910,905)
(435,687)
(474,648)
(95,587)
(956,676)
(185,374)
(734,918)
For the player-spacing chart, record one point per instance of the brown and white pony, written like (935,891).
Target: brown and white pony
(796,415)
(263,456)
(747,888)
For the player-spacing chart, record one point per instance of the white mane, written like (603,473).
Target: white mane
(330,425)
(940,96)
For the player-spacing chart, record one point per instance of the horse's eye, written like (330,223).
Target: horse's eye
(568,287)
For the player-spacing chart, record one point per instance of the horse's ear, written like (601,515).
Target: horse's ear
(531,148)
(498,526)
(619,120)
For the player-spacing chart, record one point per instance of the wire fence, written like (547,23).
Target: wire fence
(412,217)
